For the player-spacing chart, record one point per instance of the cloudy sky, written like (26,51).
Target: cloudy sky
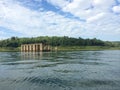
(75,18)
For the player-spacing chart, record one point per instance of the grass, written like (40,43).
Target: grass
(66,48)
(9,49)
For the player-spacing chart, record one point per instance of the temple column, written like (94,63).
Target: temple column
(37,47)
(30,49)
(33,47)
(41,47)
(24,48)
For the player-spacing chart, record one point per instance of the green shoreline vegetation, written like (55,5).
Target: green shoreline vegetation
(66,48)
(87,48)
(9,49)
(62,43)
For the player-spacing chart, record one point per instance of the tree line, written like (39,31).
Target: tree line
(53,41)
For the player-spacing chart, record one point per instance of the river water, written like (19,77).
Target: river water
(70,70)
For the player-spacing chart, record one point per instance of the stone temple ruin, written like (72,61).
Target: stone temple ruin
(38,47)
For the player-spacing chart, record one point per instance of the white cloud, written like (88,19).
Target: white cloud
(104,3)
(58,3)
(78,8)
(87,8)
(116,9)
(17,18)
(33,23)
(95,18)
(100,22)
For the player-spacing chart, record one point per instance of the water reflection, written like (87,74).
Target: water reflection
(31,55)
(76,70)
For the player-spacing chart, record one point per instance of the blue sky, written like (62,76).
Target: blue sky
(75,18)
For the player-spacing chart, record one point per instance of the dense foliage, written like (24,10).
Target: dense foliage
(54,41)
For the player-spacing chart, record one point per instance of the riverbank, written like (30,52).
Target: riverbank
(9,49)
(66,48)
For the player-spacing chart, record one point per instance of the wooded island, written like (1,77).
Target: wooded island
(62,43)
